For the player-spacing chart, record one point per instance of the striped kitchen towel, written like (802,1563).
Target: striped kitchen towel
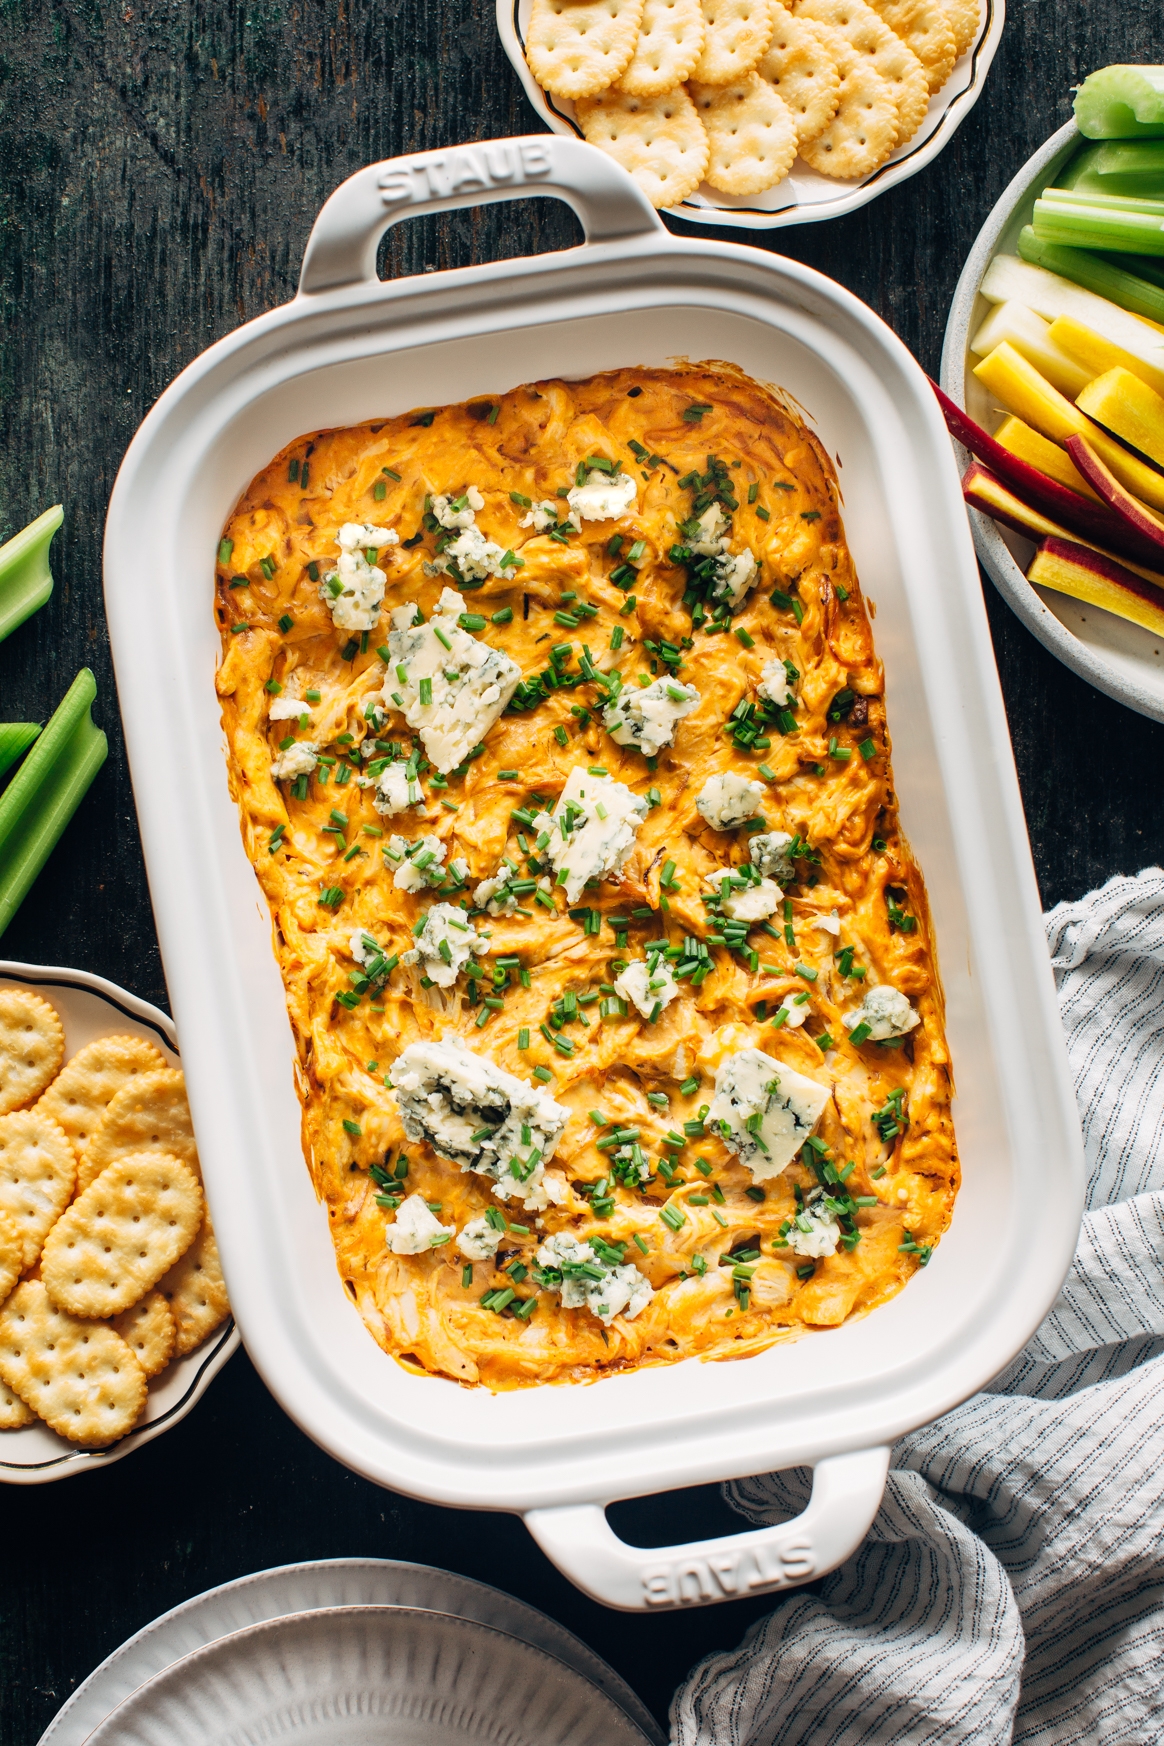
(1012,1584)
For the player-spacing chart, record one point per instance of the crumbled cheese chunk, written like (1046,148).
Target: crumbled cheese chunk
(648,719)
(886,1011)
(416,1229)
(602,497)
(404,856)
(288,709)
(353,591)
(478,1241)
(298,760)
(769,853)
(764,1111)
(477,1115)
(744,899)
(540,516)
(775,685)
(648,989)
(829,924)
(734,575)
(734,572)
(714,527)
(474,555)
(814,1231)
(465,516)
(363,947)
(396,791)
(616,1291)
(494,895)
(592,830)
(445,944)
(728,800)
(468,683)
(795,1009)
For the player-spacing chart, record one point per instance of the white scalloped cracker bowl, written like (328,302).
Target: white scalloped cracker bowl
(804,197)
(90,1007)
(1122,660)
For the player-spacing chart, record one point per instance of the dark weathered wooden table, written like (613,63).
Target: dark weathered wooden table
(160,167)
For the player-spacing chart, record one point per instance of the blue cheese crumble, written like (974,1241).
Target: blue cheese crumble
(416,1229)
(728,800)
(648,719)
(744,894)
(603,496)
(493,894)
(769,855)
(592,830)
(289,709)
(584,1281)
(651,987)
(450,687)
(477,1115)
(417,864)
(734,573)
(885,1012)
(775,686)
(764,1111)
(354,590)
(444,945)
(298,760)
(396,790)
(471,556)
(814,1231)
(478,1241)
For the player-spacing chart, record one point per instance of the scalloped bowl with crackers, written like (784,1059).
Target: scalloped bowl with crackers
(752,113)
(113,1313)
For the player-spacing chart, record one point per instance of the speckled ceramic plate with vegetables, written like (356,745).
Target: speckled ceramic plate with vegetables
(1056,321)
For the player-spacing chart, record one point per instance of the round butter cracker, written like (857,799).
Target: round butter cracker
(751,135)
(925,30)
(802,71)
(151,1115)
(863,132)
(660,140)
(149,1330)
(37,1174)
(888,56)
(81,1092)
(32,1047)
(964,17)
(120,1236)
(670,42)
(196,1292)
(576,48)
(738,32)
(78,1376)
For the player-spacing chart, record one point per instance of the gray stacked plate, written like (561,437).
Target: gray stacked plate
(353,1652)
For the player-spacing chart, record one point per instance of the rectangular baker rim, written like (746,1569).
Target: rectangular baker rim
(991,1283)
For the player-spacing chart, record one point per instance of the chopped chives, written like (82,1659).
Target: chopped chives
(542,1073)
(505,616)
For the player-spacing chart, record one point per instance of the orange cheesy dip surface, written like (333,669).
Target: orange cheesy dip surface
(560,752)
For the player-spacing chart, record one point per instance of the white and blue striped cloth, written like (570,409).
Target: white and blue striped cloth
(1012,1584)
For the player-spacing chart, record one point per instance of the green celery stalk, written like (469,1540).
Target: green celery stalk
(25,578)
(1142,266)
(1121,103)
(1124,166)
(1100,221)
(46,791)
(1125,289)
(15,739)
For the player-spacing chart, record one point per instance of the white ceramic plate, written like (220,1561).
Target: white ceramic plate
(804,197)
(363,1676)
(1122,660)
(299,1588)
(90,1007)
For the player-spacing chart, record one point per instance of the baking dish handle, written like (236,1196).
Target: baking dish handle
(846,1491)
(341,249)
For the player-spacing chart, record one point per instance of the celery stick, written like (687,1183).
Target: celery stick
(15,739)
(25,578)
(1142,266)
(50,785)
(1098,221)
(1118,167)
(1121,103)
(1095,274)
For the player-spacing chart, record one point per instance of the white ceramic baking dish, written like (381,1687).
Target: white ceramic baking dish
(349,348)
